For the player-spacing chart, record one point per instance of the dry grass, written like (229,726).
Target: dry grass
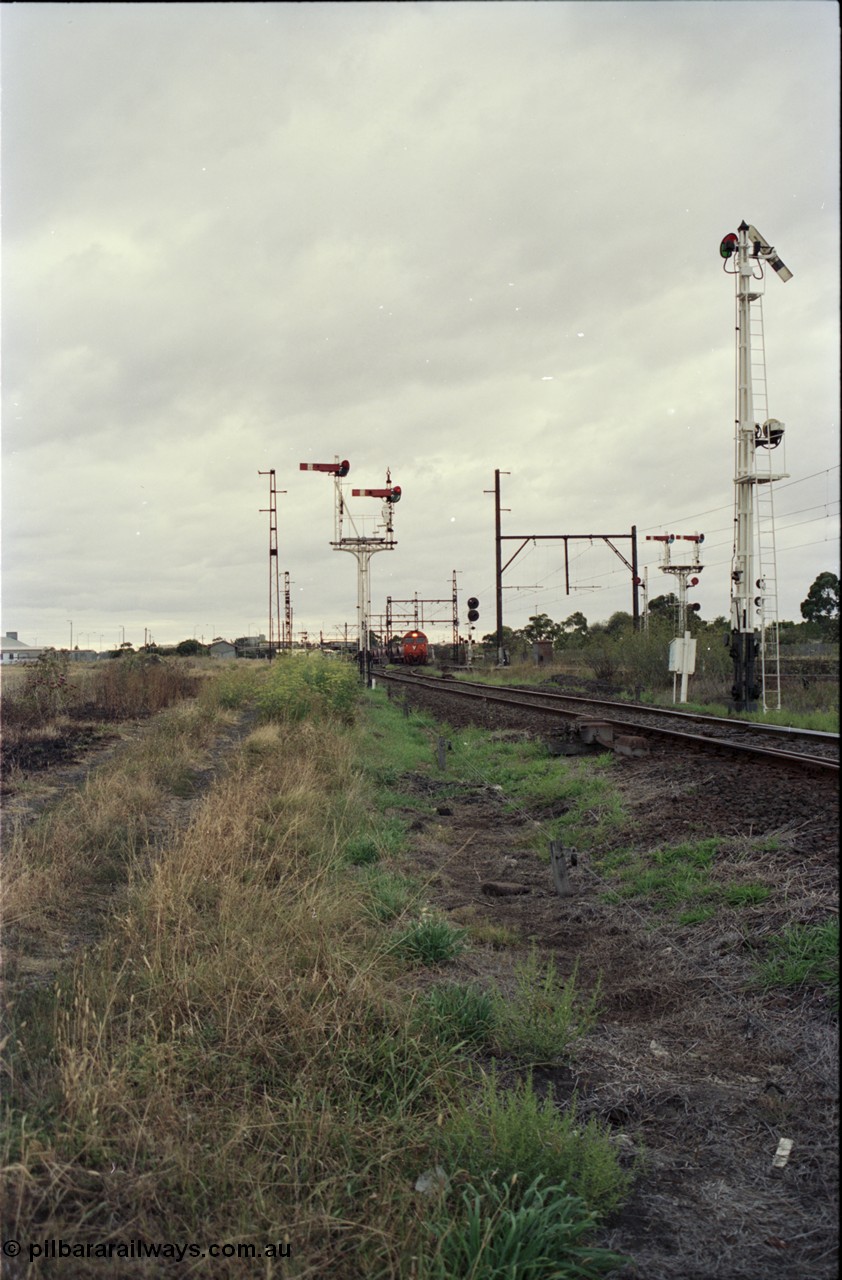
(207,1051)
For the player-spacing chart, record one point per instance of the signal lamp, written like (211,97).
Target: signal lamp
(728,245)
(473,609)
(395,494)
(695,607)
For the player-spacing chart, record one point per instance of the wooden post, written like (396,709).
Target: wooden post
(441,752)
(561,878)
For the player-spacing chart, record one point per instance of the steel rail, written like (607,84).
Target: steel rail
(549,704)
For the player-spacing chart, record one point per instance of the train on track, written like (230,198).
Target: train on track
(412,649)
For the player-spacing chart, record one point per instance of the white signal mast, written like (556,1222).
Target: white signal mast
(754,591)
(682,654)
(360,545)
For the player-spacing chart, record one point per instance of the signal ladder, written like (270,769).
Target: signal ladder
(767,581)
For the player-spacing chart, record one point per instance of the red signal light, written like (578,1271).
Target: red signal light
(729,245)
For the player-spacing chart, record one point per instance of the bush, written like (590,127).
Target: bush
(311,688)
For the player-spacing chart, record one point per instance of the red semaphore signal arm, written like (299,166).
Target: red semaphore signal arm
(392,494)
(332,468)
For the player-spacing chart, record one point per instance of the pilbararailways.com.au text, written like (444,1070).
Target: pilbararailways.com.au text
(56,1248)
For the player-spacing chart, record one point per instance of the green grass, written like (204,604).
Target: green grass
(387,894)
(678,878)
(573,800)
(431,940)
(804,956)
(745,895)
(506,1132)
(458,1013)
(501,1231)
(395,744)
(545,1015)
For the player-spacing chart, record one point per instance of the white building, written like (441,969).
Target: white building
(14,650)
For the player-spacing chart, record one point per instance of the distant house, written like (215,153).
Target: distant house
(14,650)
(222,649)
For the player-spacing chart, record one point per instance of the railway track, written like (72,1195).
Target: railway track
(622,725)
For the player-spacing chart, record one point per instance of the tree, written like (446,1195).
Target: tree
(189,648)
(490,640)
(822,605)
(618,623)
(540,627)
(663,606)
(576,624)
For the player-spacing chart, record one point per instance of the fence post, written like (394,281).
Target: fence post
(561,878)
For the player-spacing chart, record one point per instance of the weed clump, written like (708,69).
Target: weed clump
(499,1231)
(429,940)
(805,955)
(545,1014)
(508,1132)
(458,1013)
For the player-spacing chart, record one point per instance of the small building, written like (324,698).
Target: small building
(222,649)
(251,646)
(13,650)
(542,651)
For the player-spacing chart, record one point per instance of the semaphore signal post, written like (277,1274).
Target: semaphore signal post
(682,653)
(361,546)
(754,603)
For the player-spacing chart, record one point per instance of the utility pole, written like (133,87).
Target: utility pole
(274,586)
(498,564)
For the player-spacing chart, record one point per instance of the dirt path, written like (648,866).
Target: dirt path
(690,1064)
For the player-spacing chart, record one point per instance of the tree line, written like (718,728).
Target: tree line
(819,613)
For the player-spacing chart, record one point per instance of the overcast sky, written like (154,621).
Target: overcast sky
(442,238)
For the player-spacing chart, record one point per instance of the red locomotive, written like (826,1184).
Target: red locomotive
(412,649)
